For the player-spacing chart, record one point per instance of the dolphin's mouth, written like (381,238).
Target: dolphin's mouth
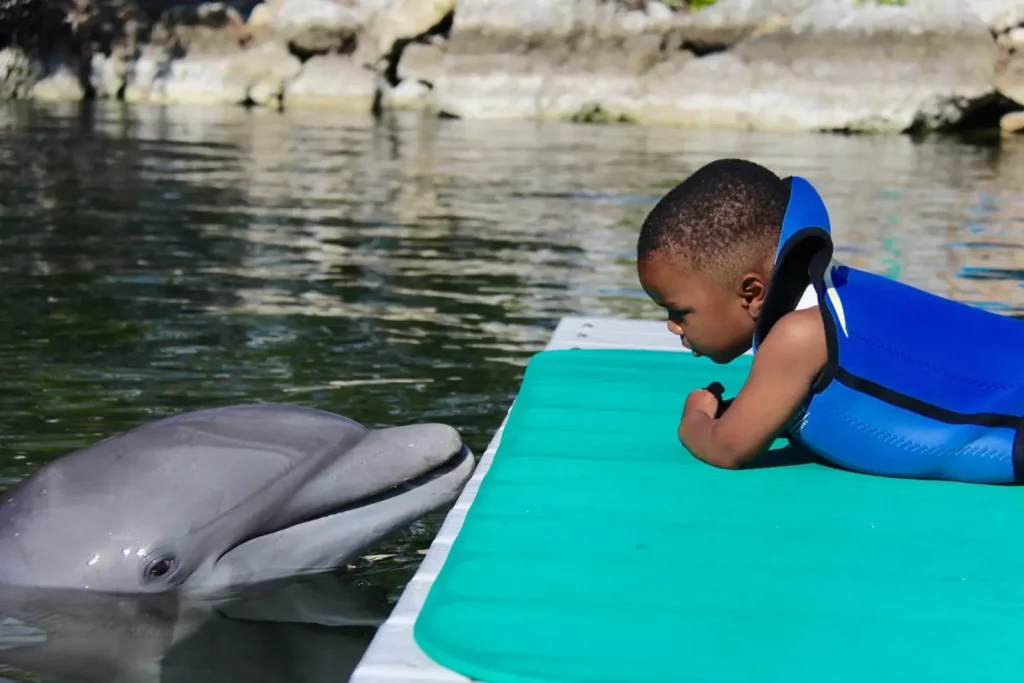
(327,540)
(454,462)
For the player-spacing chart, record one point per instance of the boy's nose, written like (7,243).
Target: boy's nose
(674,328)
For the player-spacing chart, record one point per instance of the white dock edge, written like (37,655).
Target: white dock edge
(393,655)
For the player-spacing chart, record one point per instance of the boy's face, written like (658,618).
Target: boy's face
(715,318)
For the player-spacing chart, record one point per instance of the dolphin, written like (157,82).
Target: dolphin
(310,629)
(210,502)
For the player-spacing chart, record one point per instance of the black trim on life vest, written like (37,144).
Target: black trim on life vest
(1018,453)
(804,260)
(791,276)
(816,271)
(939,414)
(924,408)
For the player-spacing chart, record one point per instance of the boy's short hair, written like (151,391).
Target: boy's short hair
(725,214)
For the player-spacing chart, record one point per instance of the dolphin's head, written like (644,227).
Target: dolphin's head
(154,510)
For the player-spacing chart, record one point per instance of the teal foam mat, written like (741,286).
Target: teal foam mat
(598,549)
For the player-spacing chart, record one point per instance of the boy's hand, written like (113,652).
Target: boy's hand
(781,374)
(701,401)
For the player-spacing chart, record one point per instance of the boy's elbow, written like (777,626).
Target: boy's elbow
(719,452)
(730,461)
(731,456)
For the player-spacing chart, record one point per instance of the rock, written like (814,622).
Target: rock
(266,70)
(334,82)
(844,65)
(18,73)
(54,78)
(659,11)
(729,21)
(544,58)
(517,18)
(141,79)
(208,28)
(1012,122)
(421,62)
(420,66)
(1009,79)
(311,27)
(61,84)
(109,34)
(798,64)
(206,54)
(261,17)
(194,79)
(1012,39)
(108,74)
(257,75)
(409,94)
(999,15)
(404,21)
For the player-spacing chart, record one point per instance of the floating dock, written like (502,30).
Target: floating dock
(595,548)
(394,656)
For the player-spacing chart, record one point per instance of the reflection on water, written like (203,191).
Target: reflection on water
(306,631)
(153,261)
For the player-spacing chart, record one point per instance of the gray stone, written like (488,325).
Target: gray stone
(422,62)
(1010,77)
(1012,122)
(821,65)
(332,82)
(108,74)
(18,73)
(316,26)
(409,94)
(61,84)
(999,15)
(728,21)
(259,75)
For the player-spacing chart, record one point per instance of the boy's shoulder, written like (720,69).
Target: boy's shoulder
(797,340)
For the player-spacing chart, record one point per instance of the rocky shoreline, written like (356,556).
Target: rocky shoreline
(819,65)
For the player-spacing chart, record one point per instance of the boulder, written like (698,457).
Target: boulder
(547,58)
(847,65)
(19,73)
(999,15)
(332,82)
(1012,122)
(61,84)
(1009,79)
(255,75)
(310,27)
(779,64)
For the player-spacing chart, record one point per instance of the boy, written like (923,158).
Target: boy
(868,373)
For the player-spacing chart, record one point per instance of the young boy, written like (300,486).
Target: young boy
(869,373)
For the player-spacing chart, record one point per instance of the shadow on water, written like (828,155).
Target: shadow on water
(306,631)
(155,260)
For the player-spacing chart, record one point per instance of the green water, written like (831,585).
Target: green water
(154,261)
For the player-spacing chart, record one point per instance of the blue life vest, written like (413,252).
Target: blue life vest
(915,385)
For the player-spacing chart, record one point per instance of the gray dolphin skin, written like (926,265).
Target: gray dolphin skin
(211,502)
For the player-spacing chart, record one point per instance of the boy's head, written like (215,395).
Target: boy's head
(705,254)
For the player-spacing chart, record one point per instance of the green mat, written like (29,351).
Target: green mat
(598,549)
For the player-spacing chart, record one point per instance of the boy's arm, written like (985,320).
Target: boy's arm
(783,370)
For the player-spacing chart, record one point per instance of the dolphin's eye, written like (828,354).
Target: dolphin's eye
(160,567)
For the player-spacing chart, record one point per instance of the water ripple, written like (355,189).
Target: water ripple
(159,260)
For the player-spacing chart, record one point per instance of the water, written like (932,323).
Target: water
(154,261)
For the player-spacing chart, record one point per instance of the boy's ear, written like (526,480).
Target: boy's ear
(752,290)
